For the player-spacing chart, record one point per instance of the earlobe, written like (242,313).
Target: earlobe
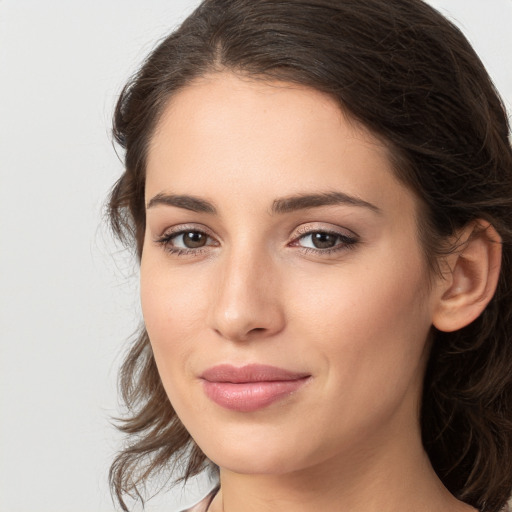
(471,277)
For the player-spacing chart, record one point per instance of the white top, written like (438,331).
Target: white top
(203,505)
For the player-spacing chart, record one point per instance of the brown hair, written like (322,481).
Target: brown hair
(412,78)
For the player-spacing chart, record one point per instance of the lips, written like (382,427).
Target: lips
(250,387)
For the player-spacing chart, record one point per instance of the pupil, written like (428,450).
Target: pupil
(193,239)
(324,240)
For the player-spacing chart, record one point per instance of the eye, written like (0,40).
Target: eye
(319,240)
(183,241)
(324,241)
(189,240)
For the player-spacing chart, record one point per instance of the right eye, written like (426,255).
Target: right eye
(189,239)
(185,241)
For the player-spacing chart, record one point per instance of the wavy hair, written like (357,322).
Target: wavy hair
(410,77)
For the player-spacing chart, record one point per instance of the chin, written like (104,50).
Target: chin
(260,455)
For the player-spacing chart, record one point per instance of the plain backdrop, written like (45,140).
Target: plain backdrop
(68,294)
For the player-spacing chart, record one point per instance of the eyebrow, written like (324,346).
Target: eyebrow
(279,206)
(186,202)
(304,201)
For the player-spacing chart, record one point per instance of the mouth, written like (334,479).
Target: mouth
(250,388)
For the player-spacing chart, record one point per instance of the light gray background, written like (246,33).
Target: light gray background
(68,295)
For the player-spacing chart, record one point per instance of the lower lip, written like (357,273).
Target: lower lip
(250,396)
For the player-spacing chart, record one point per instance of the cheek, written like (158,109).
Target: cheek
(368,343)
(173,309)
(361,299)
(369,326)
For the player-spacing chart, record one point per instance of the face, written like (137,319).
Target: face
(283,285)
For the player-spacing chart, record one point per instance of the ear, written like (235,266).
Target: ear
(470,277)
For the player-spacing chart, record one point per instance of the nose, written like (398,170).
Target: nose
(246,302)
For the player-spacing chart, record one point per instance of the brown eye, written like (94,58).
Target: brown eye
(185,240)
(192,239)
(324,240)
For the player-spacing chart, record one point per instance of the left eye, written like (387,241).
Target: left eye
(323,240)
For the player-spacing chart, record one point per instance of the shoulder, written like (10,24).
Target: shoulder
(203,505)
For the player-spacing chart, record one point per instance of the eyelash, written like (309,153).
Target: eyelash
(165,241)
(346,242)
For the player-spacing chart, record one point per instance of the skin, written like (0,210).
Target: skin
(356,320)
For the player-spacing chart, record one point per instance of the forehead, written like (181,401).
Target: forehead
(224,99)
(232,136)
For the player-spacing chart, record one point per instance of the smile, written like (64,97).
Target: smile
(250,387)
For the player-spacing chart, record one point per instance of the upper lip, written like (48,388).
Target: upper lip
(250,373)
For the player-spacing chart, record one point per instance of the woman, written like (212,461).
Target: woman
(319,192)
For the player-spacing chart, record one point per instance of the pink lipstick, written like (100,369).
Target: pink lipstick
(250,387)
